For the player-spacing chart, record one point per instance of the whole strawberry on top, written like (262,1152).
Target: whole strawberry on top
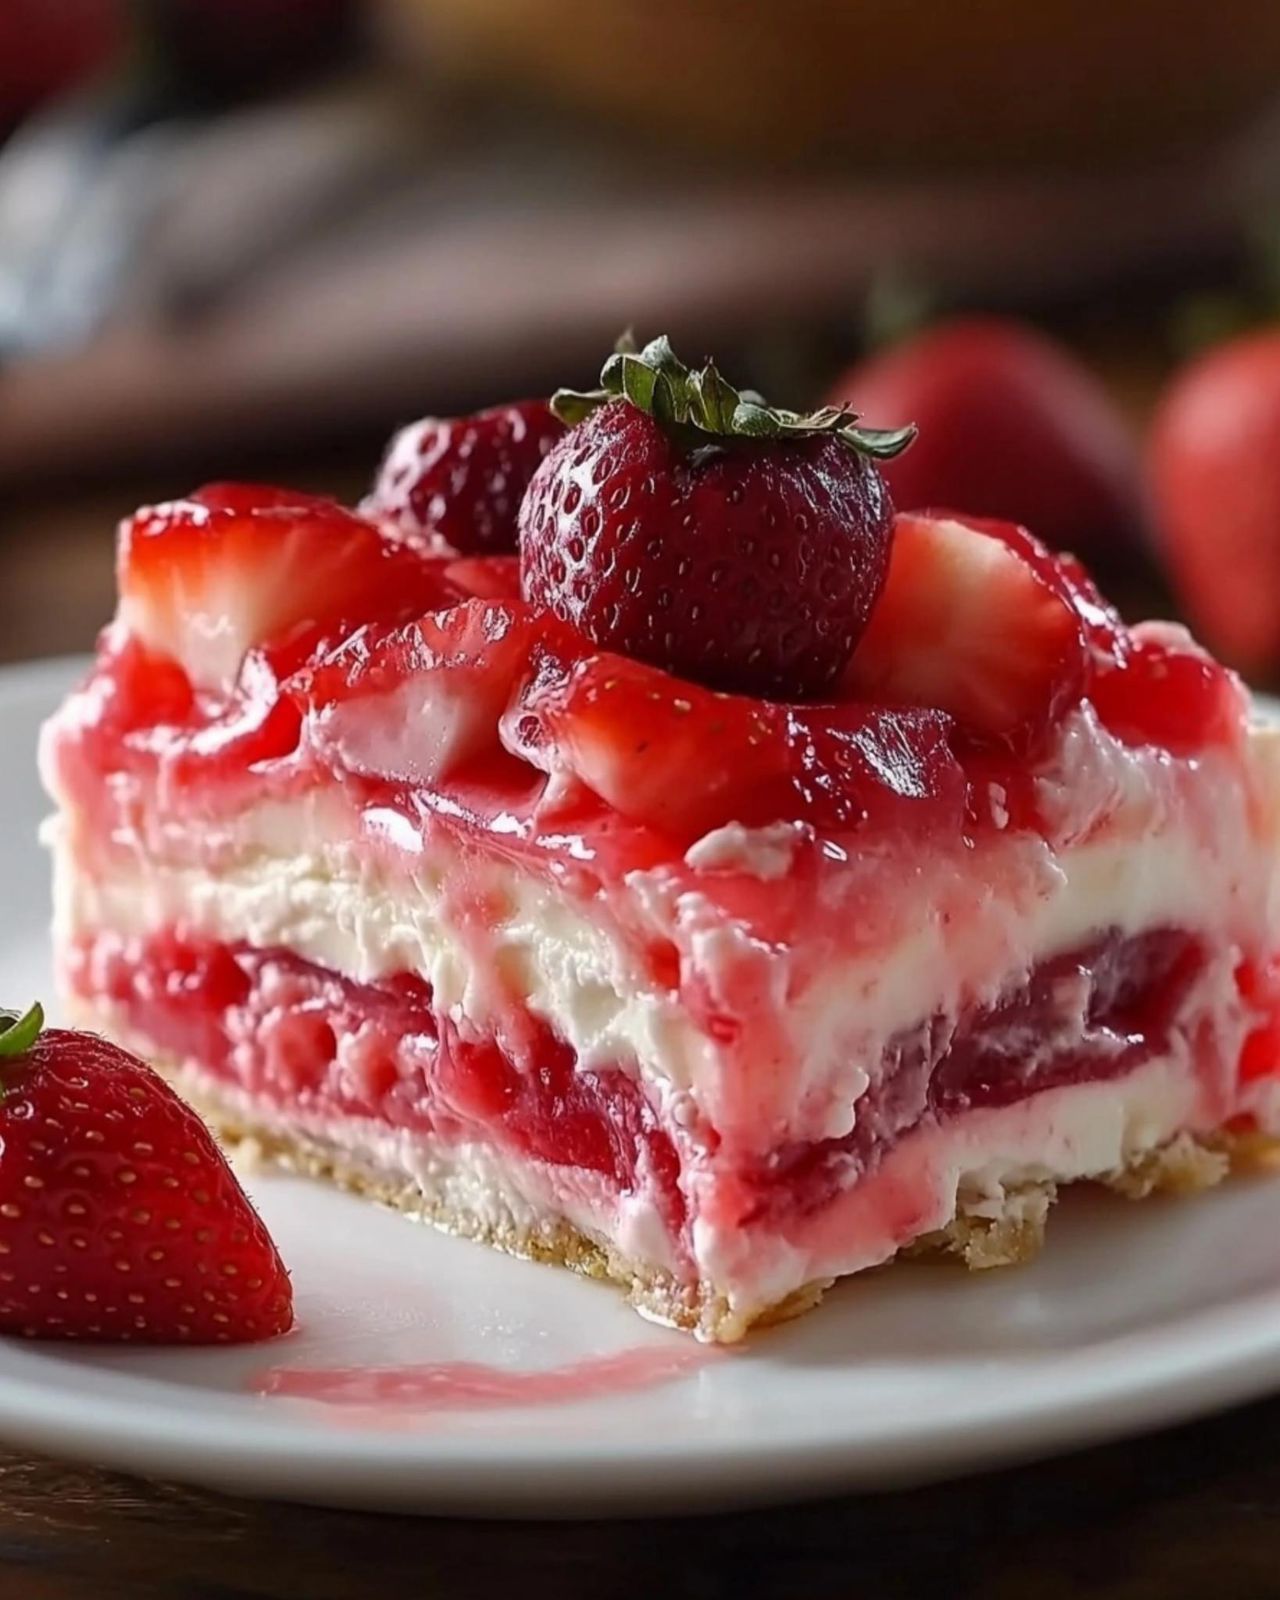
(692,526)
(458,481)
(119,1216)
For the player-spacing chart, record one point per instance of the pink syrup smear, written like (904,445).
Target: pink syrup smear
(390,1394)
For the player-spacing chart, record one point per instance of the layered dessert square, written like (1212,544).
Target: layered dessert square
(854,898)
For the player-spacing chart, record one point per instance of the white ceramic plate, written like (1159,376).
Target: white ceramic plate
(1134,1316)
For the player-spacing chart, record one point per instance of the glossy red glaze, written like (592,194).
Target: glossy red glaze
(493,710)
(1168,695)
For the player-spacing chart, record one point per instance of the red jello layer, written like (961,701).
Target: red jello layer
(1087,1016)
(296,1036)
(299,1038)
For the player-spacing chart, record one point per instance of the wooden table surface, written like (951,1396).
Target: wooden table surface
(1185,1515)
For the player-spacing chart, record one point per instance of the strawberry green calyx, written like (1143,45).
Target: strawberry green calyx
(19,1033)
(700,406)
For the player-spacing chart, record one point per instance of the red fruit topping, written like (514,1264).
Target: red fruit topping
(119,1216)
(561,1113)
(262,724)
(247,498)
(973,621)
(1011,426)
(418,703)
(877,766)
(459,480)
(685,759)
(1214,470)
(486,577)
(1136,986)
(1166,691)
(1101,624)
(655,748)
(140,689)
(205,580)
(696,529)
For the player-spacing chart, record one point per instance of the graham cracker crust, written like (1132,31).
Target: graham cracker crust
(1010,1231)
(986,1232)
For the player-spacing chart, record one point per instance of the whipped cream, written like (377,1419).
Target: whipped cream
(765,853)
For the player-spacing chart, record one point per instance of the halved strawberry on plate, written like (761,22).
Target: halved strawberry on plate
(120,1219)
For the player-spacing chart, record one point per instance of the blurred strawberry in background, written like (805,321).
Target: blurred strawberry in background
(1214,474)
(1011,425)
(47,46)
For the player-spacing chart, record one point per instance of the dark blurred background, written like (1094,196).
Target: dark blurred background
(249,237)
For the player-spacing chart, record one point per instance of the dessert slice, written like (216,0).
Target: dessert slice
(735,890)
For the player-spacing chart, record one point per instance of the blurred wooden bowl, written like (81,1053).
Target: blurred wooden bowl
(890,83)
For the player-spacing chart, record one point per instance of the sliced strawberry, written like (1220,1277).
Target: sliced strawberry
(261,724)
(685,759)
(1151,684)
(417,703)
(971,623)
(205,580)
(136,688)
(247,498)
(655,748)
